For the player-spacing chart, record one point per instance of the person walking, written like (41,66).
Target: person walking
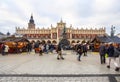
(51,47)
(79,51)
(110,52)
(36,46)
(59,51)
(6,49)
(85,49)
(47,48)
(29,47)
(3,49)
(118,48)
(102,51)
(41,48)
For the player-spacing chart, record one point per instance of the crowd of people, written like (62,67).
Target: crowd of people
(112,52)
(80,48)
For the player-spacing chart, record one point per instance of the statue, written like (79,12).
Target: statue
(64,33)
(64,42)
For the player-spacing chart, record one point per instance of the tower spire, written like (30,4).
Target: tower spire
(31,19)
(31,24)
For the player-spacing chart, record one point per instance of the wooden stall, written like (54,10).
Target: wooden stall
(104,39)
(16,44)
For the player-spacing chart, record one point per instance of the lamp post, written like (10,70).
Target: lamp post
(112,31)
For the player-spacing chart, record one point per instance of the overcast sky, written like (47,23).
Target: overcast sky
(79,13)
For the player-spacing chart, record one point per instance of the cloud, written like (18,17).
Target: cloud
(79,13)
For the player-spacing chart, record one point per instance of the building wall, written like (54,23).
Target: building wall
(54,33)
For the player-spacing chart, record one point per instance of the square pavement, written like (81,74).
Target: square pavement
(31,67)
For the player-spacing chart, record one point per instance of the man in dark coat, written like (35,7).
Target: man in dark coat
(59,51)
(102,51)
(110,52)
(29,47)
(79,51)
(85,49)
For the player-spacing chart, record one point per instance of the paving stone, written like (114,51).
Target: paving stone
(25,78)
(19,78)
(118,78)
(31,78)
(13,78)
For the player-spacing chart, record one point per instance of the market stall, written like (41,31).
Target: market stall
(16,44)
(104,39)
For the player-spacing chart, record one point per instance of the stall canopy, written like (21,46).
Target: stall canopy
(2,35)
(106,39)
(14,39)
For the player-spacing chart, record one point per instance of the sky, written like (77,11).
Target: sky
(79,13)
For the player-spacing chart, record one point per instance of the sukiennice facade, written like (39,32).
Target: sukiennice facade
(54,33)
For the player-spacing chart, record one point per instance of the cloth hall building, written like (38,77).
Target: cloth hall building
(54,33)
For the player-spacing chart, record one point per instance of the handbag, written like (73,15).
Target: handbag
(106,55)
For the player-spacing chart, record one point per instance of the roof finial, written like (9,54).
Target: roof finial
(61,20)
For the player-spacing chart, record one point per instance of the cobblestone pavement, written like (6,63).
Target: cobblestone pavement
(34,68)
(61,78)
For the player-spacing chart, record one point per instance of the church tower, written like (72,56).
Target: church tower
(31,24)
(61,24)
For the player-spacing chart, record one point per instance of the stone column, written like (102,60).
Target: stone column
(51,34)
